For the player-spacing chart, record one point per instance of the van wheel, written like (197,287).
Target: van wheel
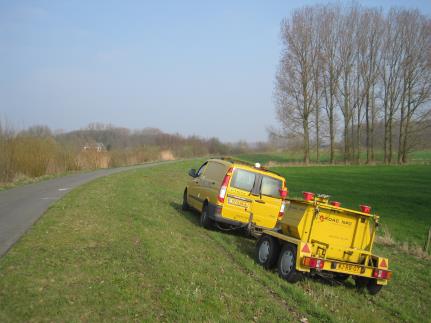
(185,206)
(373,288)
(205,221)
(286,265)
(267,250)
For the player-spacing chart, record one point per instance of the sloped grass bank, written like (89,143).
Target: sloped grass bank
(121,249)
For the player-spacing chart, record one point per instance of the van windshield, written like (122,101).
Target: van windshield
(242,179)
(270,186)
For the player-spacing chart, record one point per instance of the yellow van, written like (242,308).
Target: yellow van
(233,194)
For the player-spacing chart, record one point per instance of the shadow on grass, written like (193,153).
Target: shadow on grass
(247,245)
(244,242)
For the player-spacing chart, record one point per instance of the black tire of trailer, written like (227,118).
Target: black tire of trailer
(341,277)
(267,251)
(286,265)
(373,288)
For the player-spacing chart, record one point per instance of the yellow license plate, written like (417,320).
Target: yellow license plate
(349,268)
(237,202)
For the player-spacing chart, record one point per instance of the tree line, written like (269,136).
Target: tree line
(354,69)
(38,151)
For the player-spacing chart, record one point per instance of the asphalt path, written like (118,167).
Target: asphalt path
(20,207)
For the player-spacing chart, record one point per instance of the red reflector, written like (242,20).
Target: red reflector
(306,249)
(308,196)
(383,263)
(335,203)
(365,208)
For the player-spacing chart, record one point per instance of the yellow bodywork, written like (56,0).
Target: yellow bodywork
(342,237)
(240,206)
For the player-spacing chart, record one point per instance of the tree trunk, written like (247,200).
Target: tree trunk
(317,135)
(306,142)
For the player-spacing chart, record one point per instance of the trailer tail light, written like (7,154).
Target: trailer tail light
(308,196)
(313,262)
(365,208)
(335,203)
(281,212)
(382,274)
(223,188)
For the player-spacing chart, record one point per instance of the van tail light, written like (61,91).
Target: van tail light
(313,262)
(283,192)
(224,184)
(382,274)
(281,213)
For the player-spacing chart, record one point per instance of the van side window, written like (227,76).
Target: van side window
(215,171)
(270,186)
(243,180)
(201,170)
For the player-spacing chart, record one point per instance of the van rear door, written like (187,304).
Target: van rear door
(266,206)
(238,200)
(253,196)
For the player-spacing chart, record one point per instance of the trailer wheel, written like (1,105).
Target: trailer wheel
(185,206)
(287,264)
(267,250)
(205,220)
(361,282)
(373,288)
(341,277)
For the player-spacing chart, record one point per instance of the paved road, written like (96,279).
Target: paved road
(20,207)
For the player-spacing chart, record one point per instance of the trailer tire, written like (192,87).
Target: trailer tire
(361,282)
(205,220)
(286,265)
(267,250)
(185,206)
(341,277)
(373,288)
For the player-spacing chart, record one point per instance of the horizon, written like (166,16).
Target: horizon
(188,68)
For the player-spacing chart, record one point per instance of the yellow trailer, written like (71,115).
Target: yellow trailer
(318,237)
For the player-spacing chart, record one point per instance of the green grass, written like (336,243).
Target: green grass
(121,249)
(284,157)
(399,194)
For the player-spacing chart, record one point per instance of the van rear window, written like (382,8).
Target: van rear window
(270,186)
(243,180)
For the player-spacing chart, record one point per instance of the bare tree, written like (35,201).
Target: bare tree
(369,46)
(390,77)
(295,94)
(416,73)
(346,97)
(329,34)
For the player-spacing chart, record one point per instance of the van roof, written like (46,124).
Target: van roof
(234,161)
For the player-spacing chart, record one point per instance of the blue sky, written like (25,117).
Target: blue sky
(193,67)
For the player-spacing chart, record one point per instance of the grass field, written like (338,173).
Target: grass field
(121,249)
(283,157)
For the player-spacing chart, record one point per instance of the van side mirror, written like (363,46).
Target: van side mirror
(192,172)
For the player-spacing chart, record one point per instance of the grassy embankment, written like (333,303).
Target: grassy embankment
(120,248)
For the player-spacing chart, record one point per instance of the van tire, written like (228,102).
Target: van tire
(267,251)
(185,206)
(286,265)
(205,220)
